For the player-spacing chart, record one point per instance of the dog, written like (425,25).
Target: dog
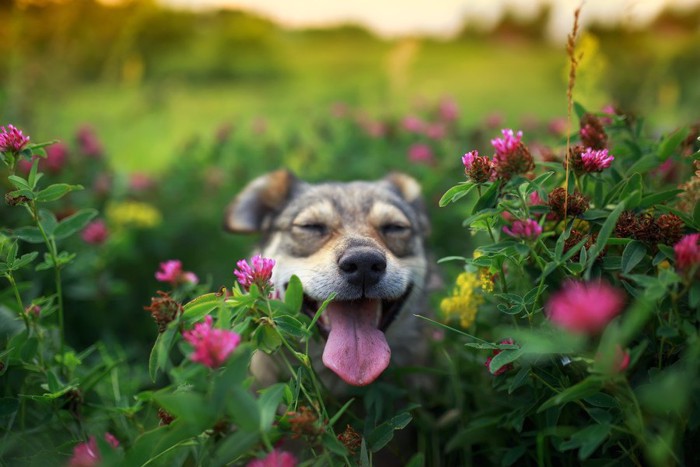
(365,242)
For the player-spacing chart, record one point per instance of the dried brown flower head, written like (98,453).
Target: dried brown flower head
(563,205)
(163,309)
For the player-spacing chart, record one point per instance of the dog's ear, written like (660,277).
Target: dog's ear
(265,195)
(410,190)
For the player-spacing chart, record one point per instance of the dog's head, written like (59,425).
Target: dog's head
(362,241)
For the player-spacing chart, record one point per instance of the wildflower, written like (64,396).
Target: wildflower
(478,168)
(595,160)
(276,458)
(171,271)
(494,120)
(133,213)
(561,203)
(56,156)
(88,454)
(15,200)
(535,200)
(304,423)
(671,227)
(140,182)
(486,280)
(647,230)
(464,301)
(687,251)
(33,310)
(436,131)
(504,368)
(164,310)
(512,157)
(211,346)
(557,126)
(626,225)
(339,109)
(618,363)
(88,142)
(448,110)
(420,153)
(527,229)
(12,140)
(592,132)
(95,233)
(351,439)
(258,272)
(585,307)
(165,417)
(412,124)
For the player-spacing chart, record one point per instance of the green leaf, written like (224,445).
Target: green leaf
(268,402)
(234,446)
(160,353)
(605,231)
(381,435)
(56,191)
(504,358)
(656,198)
(292,326)
(585,388)
(201,306)
(332,444)
(74,223)
(644,164)
(29,234)
(587,440)
(190,407)
(294,295)
(670,142)
(243,409)
(455,193)
(19,182)
(579,109)
(634,252)
(488,199)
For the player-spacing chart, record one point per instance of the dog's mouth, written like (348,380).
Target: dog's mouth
(356,348)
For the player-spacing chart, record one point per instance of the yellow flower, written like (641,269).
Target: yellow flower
(133,214)
(464,301)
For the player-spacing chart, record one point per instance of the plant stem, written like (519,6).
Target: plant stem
(19,300)
(51,245)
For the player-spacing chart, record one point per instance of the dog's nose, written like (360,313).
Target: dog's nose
(362,266)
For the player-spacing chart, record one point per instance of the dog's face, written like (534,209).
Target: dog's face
(362,241)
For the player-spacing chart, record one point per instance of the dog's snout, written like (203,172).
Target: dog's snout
(363,266)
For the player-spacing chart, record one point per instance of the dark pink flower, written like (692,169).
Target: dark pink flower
(504,368)
(535,200)
(494,120)
(558,126)
(435,131)
(448,110)
(211,346)
(596,160)
(585,307)
(687,251)
(476,167)
(512,156)
(508,144)
(527,229)
(12,140)
(412,124)
(276,458)
(171,271)
(88,142)
(56,156)
(258,272)
(420,153)
(95,233)
(140,181)
(88,454)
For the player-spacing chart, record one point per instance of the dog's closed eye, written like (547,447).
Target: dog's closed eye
(394,228)
(315,228)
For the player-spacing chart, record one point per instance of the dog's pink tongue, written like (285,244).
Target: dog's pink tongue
(355,349)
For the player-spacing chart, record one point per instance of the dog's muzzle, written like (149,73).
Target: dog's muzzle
(354,323)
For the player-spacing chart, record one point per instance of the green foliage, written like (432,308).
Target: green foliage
(562,393)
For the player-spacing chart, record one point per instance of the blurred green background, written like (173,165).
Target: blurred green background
(150,79)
